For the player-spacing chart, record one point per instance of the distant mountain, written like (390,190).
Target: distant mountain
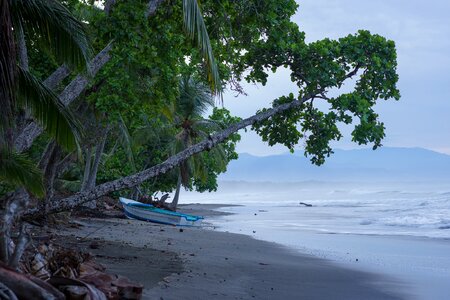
(384,164)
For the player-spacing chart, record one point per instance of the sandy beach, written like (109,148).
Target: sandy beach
(201,263)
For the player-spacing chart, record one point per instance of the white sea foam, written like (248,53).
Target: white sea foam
(379,227)
(391,209)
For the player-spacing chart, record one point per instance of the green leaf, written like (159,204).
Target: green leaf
(47,110)
(195,26)
(18,170)
(55,29)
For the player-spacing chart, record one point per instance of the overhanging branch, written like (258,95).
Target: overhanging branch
(138,178)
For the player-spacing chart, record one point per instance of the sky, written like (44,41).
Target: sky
(421,31)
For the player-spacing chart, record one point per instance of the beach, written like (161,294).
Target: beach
(203,263)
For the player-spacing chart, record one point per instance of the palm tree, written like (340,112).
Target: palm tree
(52,27)
(194,100)
(195,26)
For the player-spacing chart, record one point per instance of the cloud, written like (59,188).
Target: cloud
(420,30)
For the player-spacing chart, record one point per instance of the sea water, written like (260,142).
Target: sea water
(412,209)
(398,229)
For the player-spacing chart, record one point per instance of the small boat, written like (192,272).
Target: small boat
(147,212)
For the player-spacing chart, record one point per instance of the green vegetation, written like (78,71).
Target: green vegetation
(134,119)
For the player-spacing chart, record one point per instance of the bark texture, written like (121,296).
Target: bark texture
(57,77)
(20,248)
(15,203)
(76,87)
(23,53)
(70,93)
(138,178)
(174,203)
(97,158)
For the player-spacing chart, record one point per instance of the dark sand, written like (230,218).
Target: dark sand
(205,264)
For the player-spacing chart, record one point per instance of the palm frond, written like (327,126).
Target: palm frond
(69,185)
(7,70)
(47,110)
(194,100)
(54,27)
(220,157)
(16,169)
(126,141)
(209,126)
(195,26)
(200,169)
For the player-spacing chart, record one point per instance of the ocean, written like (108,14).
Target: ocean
(411,209)
(397,229)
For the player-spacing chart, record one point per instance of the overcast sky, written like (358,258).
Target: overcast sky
(421,30)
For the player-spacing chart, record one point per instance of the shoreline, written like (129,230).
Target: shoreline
(195,263)
(420,262)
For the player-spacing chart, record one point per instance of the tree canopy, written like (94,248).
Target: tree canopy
(144,48)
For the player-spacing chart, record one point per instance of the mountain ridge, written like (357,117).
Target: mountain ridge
(387,163)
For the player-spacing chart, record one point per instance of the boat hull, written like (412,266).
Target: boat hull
(146,212)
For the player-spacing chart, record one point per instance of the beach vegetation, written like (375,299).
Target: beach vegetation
(133,119)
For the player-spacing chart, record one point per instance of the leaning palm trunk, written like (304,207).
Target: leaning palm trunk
(174,203)
(97,159)
(194,25)
(92,164)
(174,161)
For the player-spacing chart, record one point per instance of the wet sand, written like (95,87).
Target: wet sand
(195,263)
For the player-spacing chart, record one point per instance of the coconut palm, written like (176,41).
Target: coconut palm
(195,26)
(51,27)
(194,100)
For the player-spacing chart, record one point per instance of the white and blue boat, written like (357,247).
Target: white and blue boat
(147,212)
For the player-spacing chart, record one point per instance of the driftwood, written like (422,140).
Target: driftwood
(305,204)
(26,286)
(6,293)
(71,287)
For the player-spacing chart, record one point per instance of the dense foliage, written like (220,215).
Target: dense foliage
(127,109)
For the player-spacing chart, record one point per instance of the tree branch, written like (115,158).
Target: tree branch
(57,77)
(70,93)
(75,88)
(138,178)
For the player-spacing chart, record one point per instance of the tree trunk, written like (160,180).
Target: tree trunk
(57,77)
(98,155)
(20,248)
(89,182)
(140,177)
(45,158)
(15,203)
(174,203)
(64,164)
(50,174)
(23,53)
(70,93)
(87,169)
(75,88)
